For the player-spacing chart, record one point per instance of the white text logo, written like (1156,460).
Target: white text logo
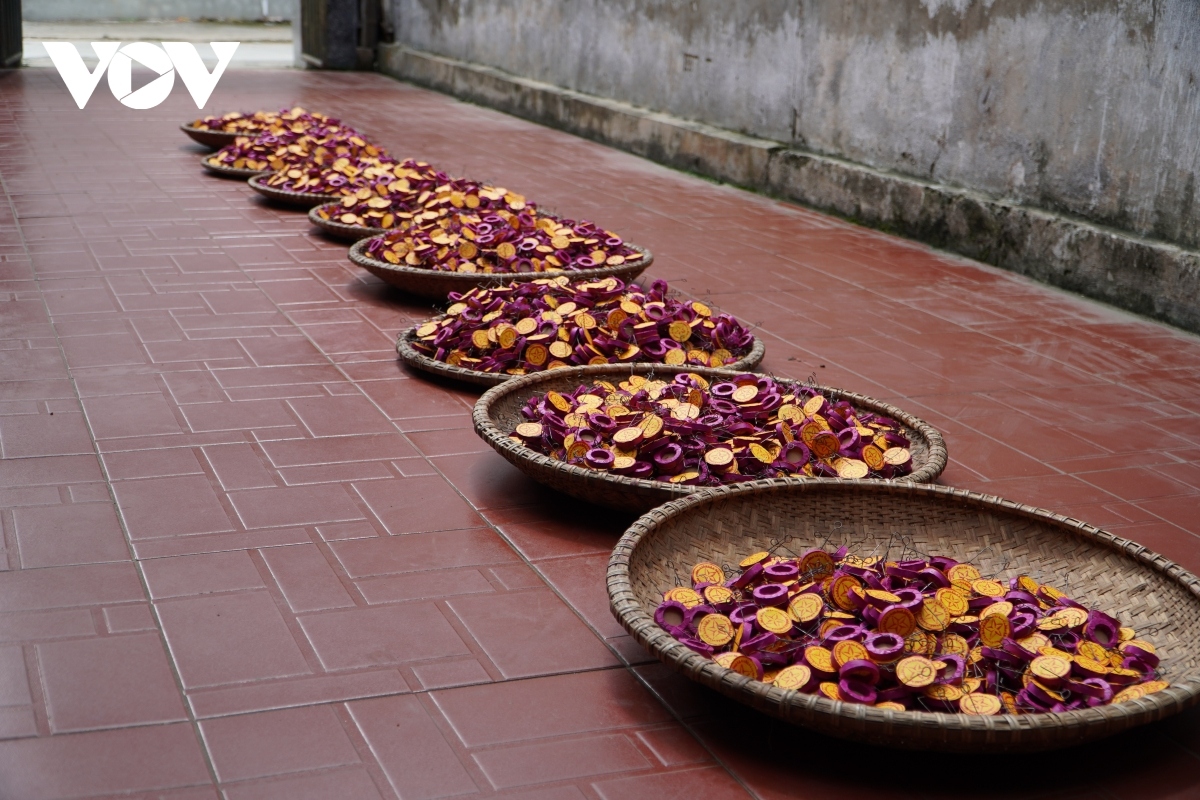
(172,57)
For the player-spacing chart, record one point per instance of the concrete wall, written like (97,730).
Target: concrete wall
(87,10)
(1085,107)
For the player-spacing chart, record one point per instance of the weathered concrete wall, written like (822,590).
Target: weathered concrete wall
(1088,107)
(87,10)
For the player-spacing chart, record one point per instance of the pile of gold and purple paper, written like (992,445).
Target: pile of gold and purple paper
(695,433)
(928,634)
(552,323)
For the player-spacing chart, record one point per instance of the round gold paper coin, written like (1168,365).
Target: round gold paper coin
(980,705)
(715,629)
(680,331)
(898,620)
(718,595)
(962,572)
(707,572)
(719,457)
(944,692)
(994,630)
(796,676)
(817,565)
(1093,651)
(851,468)
(745,394)
(1002,607)
(1075,617)
(806,607)
(742,665)
(882,596)
(685,595)
(988,588)
(916,672)
(820,659)
(725,659)
(813,404)
(847,651)
(840,591)
(953,602)
(933,616)
(751,560)
(774,620)
(890,706)
(1050,668)
(953,644)
(830,690)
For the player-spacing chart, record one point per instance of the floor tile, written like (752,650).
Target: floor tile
(531,633)
(386,635)
(110,682)
(159,507)
(552,706)
(127,760)
(417,505)
(560,760)
(418,761)
(309,505)
(255,642)
(78,533)
(343,784)
(277,742)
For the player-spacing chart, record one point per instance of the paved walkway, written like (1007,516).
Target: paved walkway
(246,550)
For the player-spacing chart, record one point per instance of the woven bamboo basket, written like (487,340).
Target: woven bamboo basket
(436,284)
(214,139)
(1157,597)
(498,413)
(288,197)
(418,360)
(230,172)
(339,230)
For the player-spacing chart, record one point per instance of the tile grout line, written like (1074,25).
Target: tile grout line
(175,674)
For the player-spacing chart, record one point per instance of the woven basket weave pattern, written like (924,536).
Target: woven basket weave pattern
(214,139)
(498,413)
(339,230)
(418,360)
(230,172)
(287,196)
(1158,598)
(437,284)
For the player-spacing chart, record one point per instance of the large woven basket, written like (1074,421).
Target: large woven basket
(498,413)
(336,229)
(418,360)
(214,139)
(436,284)
(287,197)
(1157,597)
(230,172)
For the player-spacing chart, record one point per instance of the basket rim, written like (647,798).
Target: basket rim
(500,442)
(286,195)
(189,129)
(633,617)
(470,280)
(418,360)
(339,229)
(230,172)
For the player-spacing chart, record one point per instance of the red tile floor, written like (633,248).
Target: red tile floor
(247,555)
